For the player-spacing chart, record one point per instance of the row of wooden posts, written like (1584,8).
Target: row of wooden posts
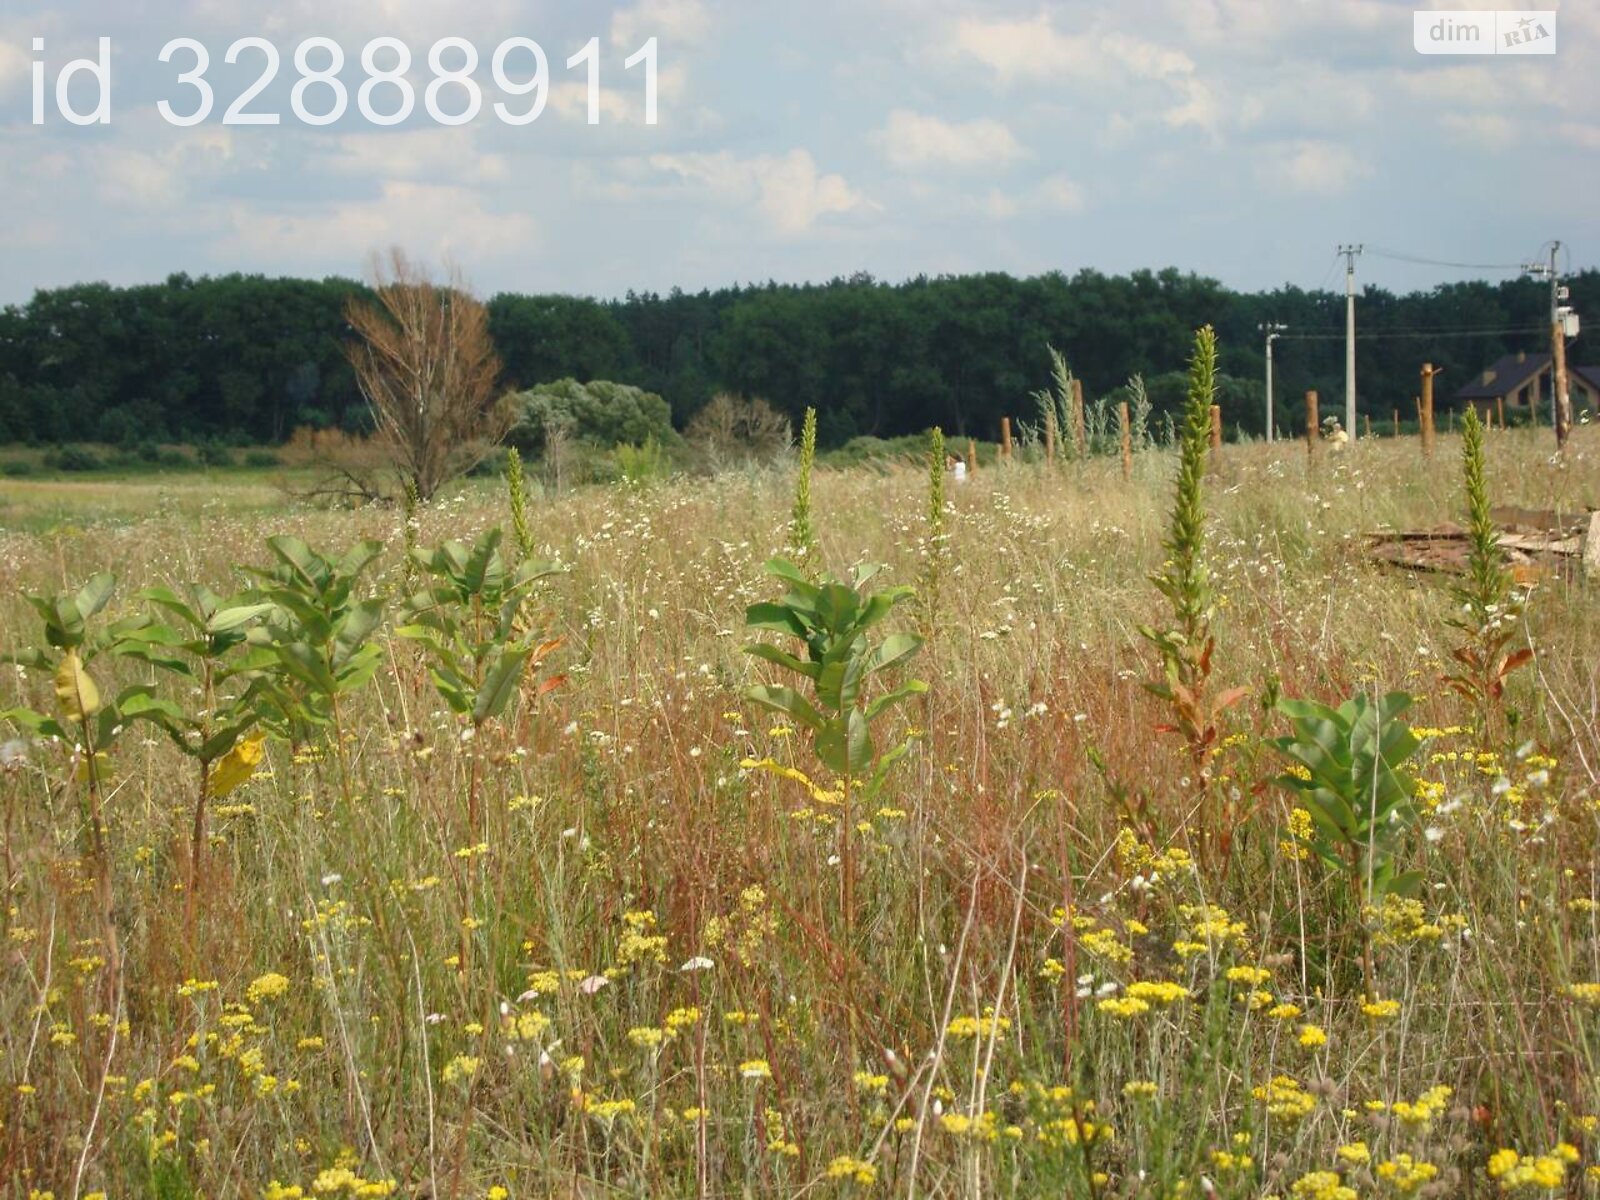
(1080,436)
(1424,403)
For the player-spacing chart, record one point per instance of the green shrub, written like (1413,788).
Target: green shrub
(213,452)
(599,412)
(261,458)
(16,468)
(73,458)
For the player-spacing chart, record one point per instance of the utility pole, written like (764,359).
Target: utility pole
(1350,252)
(1273,331)
(1560,398)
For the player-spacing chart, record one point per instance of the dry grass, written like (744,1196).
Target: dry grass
(627,842)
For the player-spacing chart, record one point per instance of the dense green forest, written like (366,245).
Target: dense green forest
(247,359)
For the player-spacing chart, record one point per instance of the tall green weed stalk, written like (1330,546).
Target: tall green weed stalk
(1186,646)
(802,536)
(1488,603)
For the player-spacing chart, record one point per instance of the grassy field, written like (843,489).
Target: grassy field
(1071,965)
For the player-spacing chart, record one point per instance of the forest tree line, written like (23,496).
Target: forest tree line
(248,359)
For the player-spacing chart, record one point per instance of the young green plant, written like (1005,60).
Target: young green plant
(467,619)
(1486,598)
(316,646)
(84,724)
(205,651)
(1350,774)
(832,621)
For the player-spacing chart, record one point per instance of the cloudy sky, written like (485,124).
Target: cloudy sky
(1242,139)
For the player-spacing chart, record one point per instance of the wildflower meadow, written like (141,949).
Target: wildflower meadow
(1058,830)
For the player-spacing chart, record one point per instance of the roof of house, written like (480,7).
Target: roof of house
(1509,374)
(1590,375)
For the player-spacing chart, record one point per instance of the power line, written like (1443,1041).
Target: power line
(1415,333)
(1398,256)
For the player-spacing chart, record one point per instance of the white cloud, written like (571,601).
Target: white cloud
(1104,60)
(156,178)
(431,221)
(1054,195)
(1033,50)
(677,23)
(1312,166)
(1058,193)
(424,154)
(911,140)
(787,189)
(1491,131)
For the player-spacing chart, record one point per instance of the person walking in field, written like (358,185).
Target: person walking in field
(1334,435)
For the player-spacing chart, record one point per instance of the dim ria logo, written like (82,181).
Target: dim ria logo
(1480,31)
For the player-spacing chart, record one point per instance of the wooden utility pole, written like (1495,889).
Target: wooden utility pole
(1312,432)
(1425,408)
(1005,438)
(1125,435)
(1558,357)
(1080,441)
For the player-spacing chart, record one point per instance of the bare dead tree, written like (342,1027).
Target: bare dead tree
(427,366)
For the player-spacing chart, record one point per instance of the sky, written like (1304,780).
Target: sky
(1239,139)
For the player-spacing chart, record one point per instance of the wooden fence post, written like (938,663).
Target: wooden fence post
(972,457)
(1425,409)
(1005,438)
(1050,435)
(1313,434)
(1397,422)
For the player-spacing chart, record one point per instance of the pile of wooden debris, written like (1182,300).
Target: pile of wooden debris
(1537,543)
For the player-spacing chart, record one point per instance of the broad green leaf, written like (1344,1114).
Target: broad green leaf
(93,596)
(912,687)
(787,701)
(232,618)
(499,685)
(783,658)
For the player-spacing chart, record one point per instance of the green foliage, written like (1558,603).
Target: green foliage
(1354,782)
(1486,597)
(205,650)
(184,358)
(643,464)
(600,412)
(802,538)
(84,725)
(832,620)
(467,619)
(316,646)
(72,644)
